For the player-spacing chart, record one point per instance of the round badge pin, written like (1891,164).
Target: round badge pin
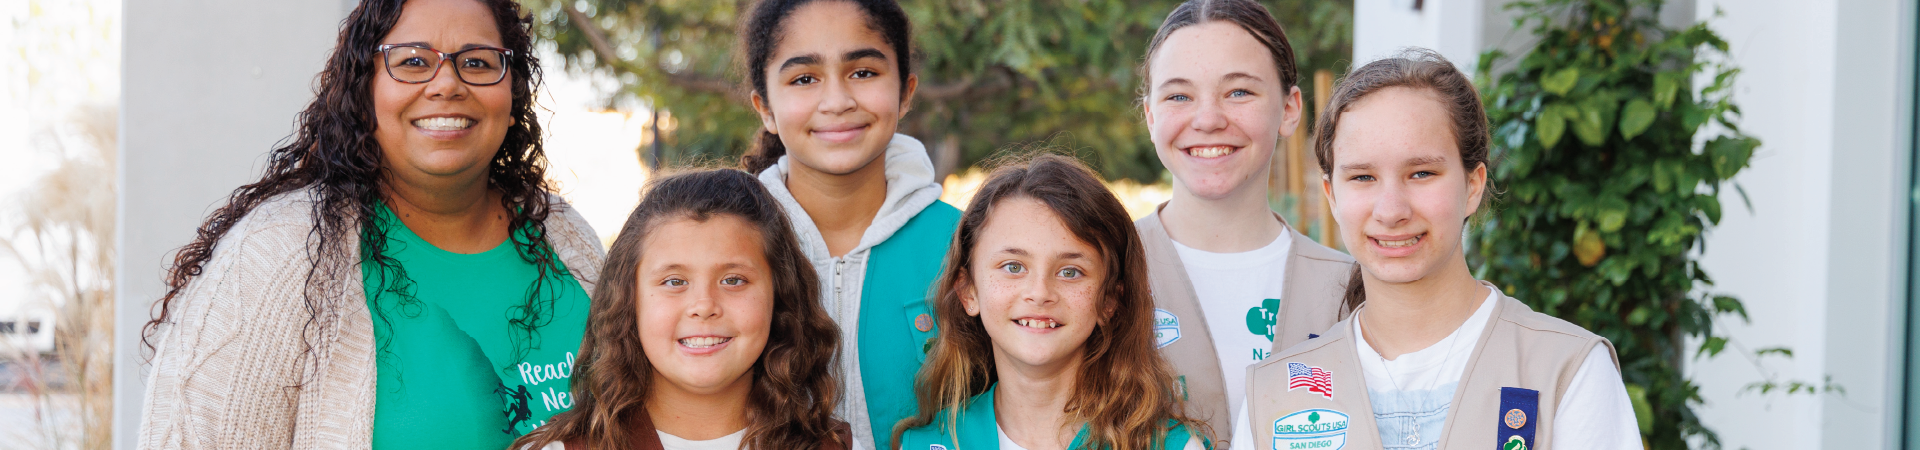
(1516,418)
(923,322)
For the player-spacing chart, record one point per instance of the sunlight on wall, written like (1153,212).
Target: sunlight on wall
(1139,199)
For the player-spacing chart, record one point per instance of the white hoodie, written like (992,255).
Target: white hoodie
(910,188)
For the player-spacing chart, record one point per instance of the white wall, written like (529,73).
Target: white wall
(1820,262)
(1451,27)
(208,86)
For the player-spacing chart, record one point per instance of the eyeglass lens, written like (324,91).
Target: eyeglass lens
(478,66)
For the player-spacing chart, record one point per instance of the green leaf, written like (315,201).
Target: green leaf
(1549,126)
(1636,118)
(1593,119)
(1712,346)
(1561,81)
(1642,410)
(1665,86)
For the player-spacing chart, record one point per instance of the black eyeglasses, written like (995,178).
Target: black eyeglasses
(415,64)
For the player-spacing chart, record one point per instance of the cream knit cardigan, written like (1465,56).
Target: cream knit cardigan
(224,367)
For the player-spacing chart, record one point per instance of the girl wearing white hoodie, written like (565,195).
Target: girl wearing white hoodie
(863,200)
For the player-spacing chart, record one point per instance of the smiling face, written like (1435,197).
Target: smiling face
(444,127)
(1398,188)
(706,303)
(1216,109)
(833,90)
(1035,287)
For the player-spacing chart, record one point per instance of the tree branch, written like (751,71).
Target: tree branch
(603,51)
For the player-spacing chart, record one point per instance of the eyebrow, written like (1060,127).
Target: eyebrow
(802,60)
(678,267)
(1022,252)
(1174,81)
(1414,161)
(430,46)
(1240,76)
(866,53)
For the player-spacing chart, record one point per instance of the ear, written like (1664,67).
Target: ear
(1326,189)
(766,115)
(1146,108)
(906,95)
(969,296)
(1292,113)
(1476,188)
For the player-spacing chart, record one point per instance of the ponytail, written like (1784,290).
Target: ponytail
(767,151)
(1356,291)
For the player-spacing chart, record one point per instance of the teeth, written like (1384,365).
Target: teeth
(443,123)
(1398,244)
(703,342)
(1210,152)
(1037,323)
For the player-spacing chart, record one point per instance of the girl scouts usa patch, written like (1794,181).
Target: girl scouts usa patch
(1313,429)
(1166,328)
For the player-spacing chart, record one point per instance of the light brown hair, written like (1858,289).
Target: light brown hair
(794,389)
(1249,15)
(1125,390)
(1414,68)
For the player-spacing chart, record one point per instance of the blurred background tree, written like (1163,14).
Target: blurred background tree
(1616,137)
(992,72)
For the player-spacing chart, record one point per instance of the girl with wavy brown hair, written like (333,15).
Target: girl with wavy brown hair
(1046,326)
(401,276)
(705,331)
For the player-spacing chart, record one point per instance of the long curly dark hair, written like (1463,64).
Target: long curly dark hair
(334,158)
(794,388)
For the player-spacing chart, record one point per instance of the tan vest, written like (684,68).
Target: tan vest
(1520,348)
(1314,285)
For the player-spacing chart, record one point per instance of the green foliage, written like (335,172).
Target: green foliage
(1607,196)
(992,72)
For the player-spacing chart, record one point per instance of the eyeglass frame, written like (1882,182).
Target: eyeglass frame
(444,57)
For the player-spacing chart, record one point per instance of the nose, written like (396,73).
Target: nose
(446,83)
(1392,207)
(1039,290)
(838,98)
(705,304)
(1208,117)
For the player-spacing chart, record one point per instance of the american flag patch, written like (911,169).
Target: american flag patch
(1313,379)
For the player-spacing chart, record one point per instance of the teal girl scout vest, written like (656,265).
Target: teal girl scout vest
(897,325)
(978,430)
(1313,396)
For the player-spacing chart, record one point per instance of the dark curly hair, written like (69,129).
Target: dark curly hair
(760,33)
(794,389)
(334,158)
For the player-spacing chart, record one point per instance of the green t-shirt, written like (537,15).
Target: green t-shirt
(454,372)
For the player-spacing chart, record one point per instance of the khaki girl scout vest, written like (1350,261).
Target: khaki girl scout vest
(1314,286)
(1314,397)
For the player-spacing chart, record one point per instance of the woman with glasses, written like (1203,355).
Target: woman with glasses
(401,276)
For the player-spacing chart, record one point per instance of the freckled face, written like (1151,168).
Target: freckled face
(706,303)
(1034,285)
(1398,188)
(444,127)
(1216,109)
(833,90)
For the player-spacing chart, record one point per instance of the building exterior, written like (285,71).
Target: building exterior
(1822,261)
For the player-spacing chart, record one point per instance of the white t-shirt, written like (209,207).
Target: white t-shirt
(1239,294)
(1006,443)
(1594,412)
